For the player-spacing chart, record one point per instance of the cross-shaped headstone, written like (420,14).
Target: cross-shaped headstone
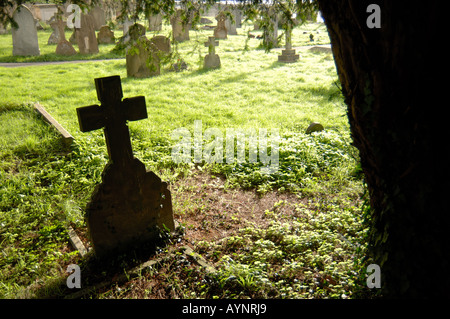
(131,206)
(211,44)
(112,115)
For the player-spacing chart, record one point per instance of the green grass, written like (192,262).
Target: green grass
(43,189)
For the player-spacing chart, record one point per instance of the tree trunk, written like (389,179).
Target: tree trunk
(393,82)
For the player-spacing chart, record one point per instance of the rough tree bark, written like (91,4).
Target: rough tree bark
(393,83)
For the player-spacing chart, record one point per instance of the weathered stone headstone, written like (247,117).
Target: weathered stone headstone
(25,40)
(162,43)
(44,12)
(86,39)
(142,59)
(98,15)
(231,25)
(288,54)
(155,22)
(220,32)
(105,35)
(180,30)
(136,31)
(64,47)
(131,205)
(212,60)
(132,32)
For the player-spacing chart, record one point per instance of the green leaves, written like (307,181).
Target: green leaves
(303,159)
(311,257)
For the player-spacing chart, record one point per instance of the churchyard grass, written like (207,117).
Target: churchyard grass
(308,242)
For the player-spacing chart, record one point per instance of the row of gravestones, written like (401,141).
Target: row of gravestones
(143,55)
(25,40)
(142,64)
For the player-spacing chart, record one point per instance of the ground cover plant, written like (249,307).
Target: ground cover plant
(297,233)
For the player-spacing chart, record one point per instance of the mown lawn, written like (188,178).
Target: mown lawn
(296,233)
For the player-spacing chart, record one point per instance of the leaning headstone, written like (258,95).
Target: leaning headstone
(212,60)
(142,59)
(288,54)
(220,32)
(86,39)
(105,35)
(180,30)
(24,38)
(155,22)
(131,205)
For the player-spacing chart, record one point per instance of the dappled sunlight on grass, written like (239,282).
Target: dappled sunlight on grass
(294,233)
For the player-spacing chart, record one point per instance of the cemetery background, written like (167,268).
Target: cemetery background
(264,240)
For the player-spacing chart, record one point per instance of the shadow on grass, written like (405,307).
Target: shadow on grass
(97,274)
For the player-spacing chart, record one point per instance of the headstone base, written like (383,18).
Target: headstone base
(128,209)
(64,47)
(288,56)
(212,61)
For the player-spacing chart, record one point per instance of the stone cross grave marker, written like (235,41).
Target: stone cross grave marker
(288,55)
(220,32)
(54,37)
(63,47)
(130,207)
(24,38)
(212,60)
